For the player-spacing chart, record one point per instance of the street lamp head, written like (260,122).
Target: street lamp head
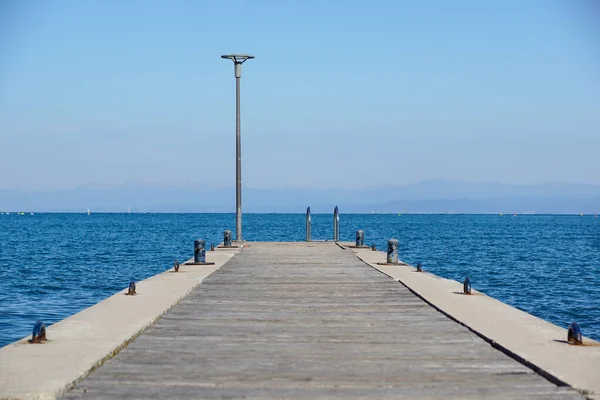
(238,58)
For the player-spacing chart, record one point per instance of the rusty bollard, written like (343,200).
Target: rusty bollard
(360,238)
(131,289)
(574,334)
(227,239)
(39,333)
(467,286)
(199,251)
(392,251)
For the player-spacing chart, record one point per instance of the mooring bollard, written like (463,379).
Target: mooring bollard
(308,223)
(212,247)
(419,266)
(373,247)
(227,239)
(467,286)
(176,265)
(336,224)
(392,251)
(39,332)
(574,334)
(360,238)
(131,288)
(200,250)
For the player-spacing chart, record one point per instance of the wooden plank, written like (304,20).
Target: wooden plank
(309,320)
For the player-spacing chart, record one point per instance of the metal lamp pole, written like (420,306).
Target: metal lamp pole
(238,60)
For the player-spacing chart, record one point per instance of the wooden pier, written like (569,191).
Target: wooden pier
(309,320)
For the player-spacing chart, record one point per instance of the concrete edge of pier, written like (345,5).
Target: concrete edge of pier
(532,341)
(84,341)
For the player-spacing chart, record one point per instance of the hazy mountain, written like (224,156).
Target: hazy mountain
(436,196)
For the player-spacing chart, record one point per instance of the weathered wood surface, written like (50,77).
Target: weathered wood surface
(309,320)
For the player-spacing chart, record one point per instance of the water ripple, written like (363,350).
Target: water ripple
(54,265)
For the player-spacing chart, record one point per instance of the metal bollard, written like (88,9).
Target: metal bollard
(467,286)
(373,247)
(336,224)
(131,288)
(574,334)
(308,223)
(360,238)
(39,332)
(227,239)
(199,251)
(176,266)
(419,266)
(392,251)
(212,247)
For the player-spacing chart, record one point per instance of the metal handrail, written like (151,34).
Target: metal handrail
(308,223)
(336,224)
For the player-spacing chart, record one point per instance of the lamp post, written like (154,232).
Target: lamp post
(238,60)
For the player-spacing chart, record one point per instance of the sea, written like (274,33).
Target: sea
(53,265)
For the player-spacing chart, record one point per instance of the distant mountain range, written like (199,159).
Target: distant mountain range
(435,196)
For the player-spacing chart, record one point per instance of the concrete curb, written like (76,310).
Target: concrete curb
(81,343)
(532,341)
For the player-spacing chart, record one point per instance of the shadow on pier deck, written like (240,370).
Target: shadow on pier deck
(309,320)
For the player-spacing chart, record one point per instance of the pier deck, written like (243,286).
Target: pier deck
(309,320)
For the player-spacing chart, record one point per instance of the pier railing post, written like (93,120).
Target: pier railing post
(199,251)
(227,239)
(360,238)
(392,251)
(308,223)
(336,225)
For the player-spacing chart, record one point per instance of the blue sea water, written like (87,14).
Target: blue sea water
(54,265)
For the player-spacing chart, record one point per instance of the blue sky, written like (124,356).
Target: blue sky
(341,93)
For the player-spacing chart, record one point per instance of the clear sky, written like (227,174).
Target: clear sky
(341,93)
